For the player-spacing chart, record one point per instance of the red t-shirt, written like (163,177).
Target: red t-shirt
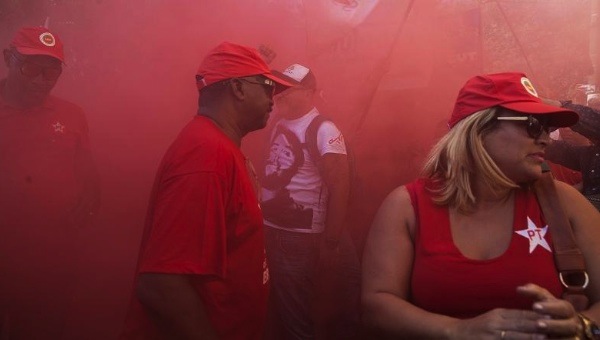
(42,150)
(204,219)
(40,153)
(446,282)
(564,174)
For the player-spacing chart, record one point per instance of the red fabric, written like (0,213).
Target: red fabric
(229,60)
(511,90)
(565,174)
(41,180)
(446,282)
(39,150)
(204,219)
(38,41)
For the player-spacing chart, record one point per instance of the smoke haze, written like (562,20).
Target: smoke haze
(388,72)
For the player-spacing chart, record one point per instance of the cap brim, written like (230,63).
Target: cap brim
(35,51)
(280,80)
(286,78)
(559,117)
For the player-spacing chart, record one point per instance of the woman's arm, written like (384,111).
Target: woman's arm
(387,267)
(562,320)
(387,264)
(585,220)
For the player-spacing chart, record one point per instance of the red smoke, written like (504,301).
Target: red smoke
(388,70)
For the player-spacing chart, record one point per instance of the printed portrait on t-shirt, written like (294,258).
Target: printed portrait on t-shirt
(285,157)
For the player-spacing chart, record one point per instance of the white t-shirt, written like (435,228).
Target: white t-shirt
(294,196)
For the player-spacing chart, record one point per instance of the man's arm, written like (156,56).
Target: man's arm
(174,305)
(589,118)
(173,265)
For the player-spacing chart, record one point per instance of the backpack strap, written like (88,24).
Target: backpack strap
(310,139)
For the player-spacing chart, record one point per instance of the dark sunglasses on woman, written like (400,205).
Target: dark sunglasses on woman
(535,126)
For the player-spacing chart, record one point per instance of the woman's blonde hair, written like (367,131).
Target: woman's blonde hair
(458,156)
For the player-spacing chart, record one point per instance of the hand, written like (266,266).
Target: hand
(267,53)
(594,101)
(500,324)
(560,320)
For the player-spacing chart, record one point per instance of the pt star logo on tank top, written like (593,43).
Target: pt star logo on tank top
(535,236)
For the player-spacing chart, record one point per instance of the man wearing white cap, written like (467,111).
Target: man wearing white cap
(305,191)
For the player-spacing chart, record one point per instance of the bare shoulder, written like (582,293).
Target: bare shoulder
(564,188)
(396,212)
(572,200)
(584,217)
(397,201)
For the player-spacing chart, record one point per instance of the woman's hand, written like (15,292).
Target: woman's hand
(500,324)
(560,318)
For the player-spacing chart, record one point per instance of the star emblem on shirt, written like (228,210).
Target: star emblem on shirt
(535,236)
(58,127)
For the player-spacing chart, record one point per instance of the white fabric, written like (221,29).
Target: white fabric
(296,72)
(306,187)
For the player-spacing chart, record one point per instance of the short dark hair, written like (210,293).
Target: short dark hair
(210,95)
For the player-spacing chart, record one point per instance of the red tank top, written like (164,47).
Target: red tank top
(445,282)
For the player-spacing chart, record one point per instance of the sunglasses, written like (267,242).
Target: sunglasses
(268,84)
(534,127)
(33,70)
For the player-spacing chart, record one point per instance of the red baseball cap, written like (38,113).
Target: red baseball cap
(510,90)
(229,60)
(38,41)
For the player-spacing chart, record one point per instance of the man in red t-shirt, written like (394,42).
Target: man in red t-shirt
(48,188)
(202,272)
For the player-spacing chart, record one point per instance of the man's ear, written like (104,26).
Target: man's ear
(237,88)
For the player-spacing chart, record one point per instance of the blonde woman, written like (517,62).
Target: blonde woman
(464,252)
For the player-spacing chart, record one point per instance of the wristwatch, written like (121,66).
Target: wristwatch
(591,331)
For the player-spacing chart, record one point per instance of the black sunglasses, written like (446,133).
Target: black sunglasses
(268,84)
(535,126)
(32,70)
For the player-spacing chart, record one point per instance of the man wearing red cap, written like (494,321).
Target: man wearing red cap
(202,272)
(48,184)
